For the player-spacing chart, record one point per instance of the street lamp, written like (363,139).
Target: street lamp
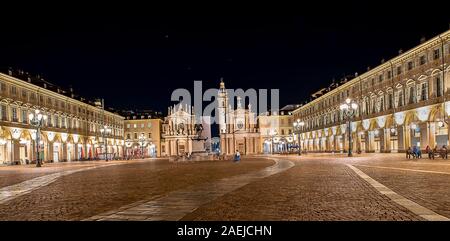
(142,142)
(105,131)
(348,109)
(37,121)
(298,126)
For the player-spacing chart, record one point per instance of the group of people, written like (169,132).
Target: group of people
(415,152)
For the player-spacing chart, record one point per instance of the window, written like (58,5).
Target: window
(2,87)
(410,65)
(3,115)
(149,135)
(373,82)
(400,98)
(41,99)
(56,121)
(436,54)
(13,90)
(422,91)
(389,74)
(50,121)
(390,99)
(135,126)
(14,114)
(424,94)
(411,95)
(422,60)
(128,135)
(135,135)
(33,97)
(24,94)
(149,125)
(24,116)
(128,126)
(399,70)
(380,78)
(142,125)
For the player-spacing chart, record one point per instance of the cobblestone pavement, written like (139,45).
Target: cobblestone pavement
(88,193)
(318,187)
(10,175)
(431,190)
(315,189)
(177,204)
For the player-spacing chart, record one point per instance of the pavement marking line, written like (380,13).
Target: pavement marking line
(404,169)
(421,211)
(177,204)
(14,191)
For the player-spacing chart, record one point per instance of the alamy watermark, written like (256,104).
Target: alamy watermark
(254,100)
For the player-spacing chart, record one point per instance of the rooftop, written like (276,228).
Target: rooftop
(39,80)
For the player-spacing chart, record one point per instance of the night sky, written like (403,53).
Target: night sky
(135,61)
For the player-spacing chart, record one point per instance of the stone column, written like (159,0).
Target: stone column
(431,134)
(367,141)
(15,151)
(75,151)
(407,136)
(387,140)
(64,151)
(424,135)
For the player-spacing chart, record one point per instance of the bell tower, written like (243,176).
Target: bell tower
(222,104)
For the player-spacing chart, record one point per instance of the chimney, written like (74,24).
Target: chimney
(382,60)
(400,51)
(423,39)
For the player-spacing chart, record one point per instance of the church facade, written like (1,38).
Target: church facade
(181,135)
(238,127)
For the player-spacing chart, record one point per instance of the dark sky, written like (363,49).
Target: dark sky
(135,61)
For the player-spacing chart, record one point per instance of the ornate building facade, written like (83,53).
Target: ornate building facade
(238,127)
(403,102)
(182,135)
(70,132)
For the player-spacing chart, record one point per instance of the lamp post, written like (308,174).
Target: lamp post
(105,131)
(348,109)
(298,126)
(37,121)
(142,142)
